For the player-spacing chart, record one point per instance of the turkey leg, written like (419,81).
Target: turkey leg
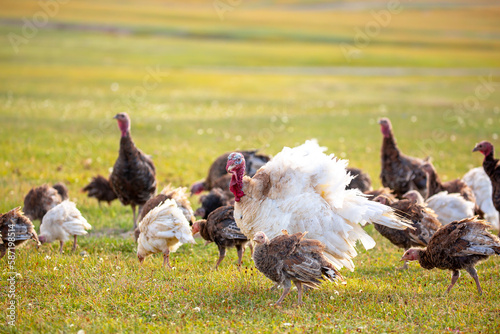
(251,249)
(472,271)
(286,289)
(454,278)
(60,246)
(3,250)
(166,259)
(133,211)
(222,254)
(240,250)
(299,290)
(74,243)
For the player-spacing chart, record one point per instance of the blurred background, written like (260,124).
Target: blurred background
(202,77)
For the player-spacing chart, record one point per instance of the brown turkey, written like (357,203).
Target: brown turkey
(16,227)
(492,168)
(100,188)
(372,194)
(423,219)
(458,245)
(62,190)
(218,176)
(435,186)
(41,199)
(291,258)
(213,200)
(221,228)
(361,181)
(400,173)
(133,177)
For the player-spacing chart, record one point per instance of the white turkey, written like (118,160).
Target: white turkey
(178,195)
(61,222)
(448,207)
(163,230)
(303,189)
(480,184)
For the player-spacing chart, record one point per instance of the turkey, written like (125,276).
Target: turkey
(133,177)
(292,258)
(163,230)
(218,177)
(16,227)
(423,219)
(448,207)
(178,195)
(221,228)
(62,190)
(434,186)
(480,183)
(386,192)
(360,180)
(213,200)
(303,189)
(458,245)
(61,222)
(492,168)
(100,188)
(399,172)
(41,199)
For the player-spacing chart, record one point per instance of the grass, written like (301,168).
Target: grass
(59,93)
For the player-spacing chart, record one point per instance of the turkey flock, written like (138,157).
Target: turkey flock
(301,212)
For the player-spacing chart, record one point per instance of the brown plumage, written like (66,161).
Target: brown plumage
(435,185)
(221,228)
(400,173)
(14,224)
(458,245)
(213,200)
(218,176)
(492,168)
(361,180)
(41,199)
(291,258)
(100,188)
(423,219)
(62,190)
(133,177)
(386,192)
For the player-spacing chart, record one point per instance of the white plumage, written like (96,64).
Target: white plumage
(180,196)
(61,222)
(303,189)
(480,183)
(450,207)
(164,229)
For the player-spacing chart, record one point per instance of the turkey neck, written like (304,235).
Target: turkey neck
(389,143)
(489,163)
(127,147)
(204,232)
(425,260)
(434,184)
(236,184)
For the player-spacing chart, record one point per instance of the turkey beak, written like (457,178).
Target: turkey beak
(475,149)
(379,121)
(115,117)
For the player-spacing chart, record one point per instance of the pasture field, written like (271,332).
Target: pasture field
(269,74)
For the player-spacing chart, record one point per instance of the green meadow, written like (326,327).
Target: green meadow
(198,81)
